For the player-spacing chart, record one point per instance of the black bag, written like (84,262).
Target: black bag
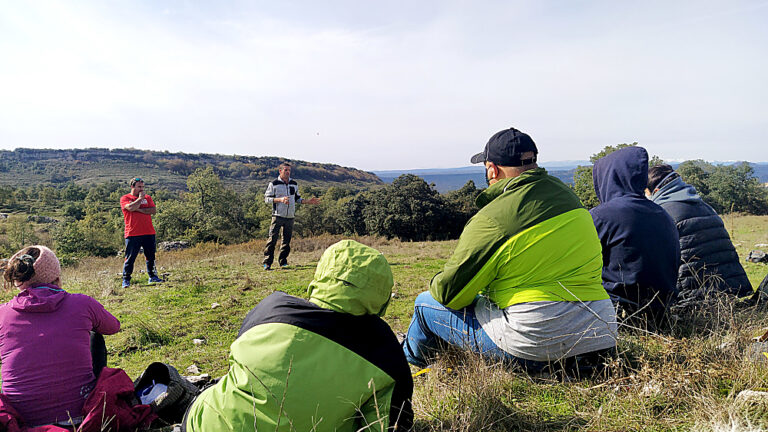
(171,404)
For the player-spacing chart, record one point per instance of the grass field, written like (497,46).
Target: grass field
(684,380)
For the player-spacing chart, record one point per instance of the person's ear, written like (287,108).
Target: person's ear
(493,170)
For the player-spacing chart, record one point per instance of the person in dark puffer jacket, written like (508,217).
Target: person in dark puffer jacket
(640,243)
(709,262)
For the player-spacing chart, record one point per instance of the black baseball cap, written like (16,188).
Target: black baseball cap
(506,147)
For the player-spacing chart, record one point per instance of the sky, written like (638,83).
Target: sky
(386,85)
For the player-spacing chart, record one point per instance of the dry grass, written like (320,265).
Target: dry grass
(686,377)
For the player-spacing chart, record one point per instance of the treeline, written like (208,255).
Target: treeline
(209,209)
(408,209)
(727,188)
(90,222)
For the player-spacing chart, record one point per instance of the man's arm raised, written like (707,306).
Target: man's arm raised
(135,204)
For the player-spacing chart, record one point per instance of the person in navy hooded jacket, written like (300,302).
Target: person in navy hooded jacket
(641,250)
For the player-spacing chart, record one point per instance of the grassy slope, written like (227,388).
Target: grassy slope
(51,169)
(660,383)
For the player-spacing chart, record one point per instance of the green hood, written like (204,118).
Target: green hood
(352,278)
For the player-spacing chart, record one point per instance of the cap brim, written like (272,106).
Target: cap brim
(478,158)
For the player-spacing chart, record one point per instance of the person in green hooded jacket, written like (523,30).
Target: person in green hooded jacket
(327,364)
(524,283)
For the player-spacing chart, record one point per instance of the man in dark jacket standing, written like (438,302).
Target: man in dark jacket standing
(640,242)
(283,194)
(709,261)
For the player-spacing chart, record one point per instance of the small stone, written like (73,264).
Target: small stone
(173,245)
(198,341)
(752,402)
(198,379)
(215,305)
(193,370)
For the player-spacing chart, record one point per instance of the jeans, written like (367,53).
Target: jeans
(132,246)
(433,326)
(285,246)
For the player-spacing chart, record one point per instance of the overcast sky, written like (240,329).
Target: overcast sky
(386,85)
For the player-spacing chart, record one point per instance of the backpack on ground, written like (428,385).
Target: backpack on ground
(170,393)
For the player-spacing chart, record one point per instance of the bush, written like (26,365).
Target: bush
(95,235)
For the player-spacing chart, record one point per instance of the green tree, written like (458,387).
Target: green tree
(50,195)
(584,187)
(409,209)
(462,206)
(209,212)
(20,232)
(73,192)
(348,213)
(696,173)
(735,188)
(655,161)
(95,235)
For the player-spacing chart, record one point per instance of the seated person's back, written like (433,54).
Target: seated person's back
(709,261)
(327,364)
(45,341)
(639,239)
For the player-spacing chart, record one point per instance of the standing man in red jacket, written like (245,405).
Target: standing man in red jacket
(138,209)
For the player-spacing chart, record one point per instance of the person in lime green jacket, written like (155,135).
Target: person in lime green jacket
(327,364)
(524,283)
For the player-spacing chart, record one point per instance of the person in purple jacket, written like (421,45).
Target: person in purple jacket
(51,346)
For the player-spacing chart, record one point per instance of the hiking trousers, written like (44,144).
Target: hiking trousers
(286,226)
(132,246)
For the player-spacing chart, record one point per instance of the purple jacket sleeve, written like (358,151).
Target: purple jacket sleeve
(103,321)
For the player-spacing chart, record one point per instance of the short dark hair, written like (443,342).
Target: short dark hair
(136,180)
(284,165)
(658,173)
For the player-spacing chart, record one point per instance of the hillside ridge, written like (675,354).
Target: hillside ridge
(30,167)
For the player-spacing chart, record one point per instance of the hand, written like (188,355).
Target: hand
(285,200)
(313,201)
(141,195)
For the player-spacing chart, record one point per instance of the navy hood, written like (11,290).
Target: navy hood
(621,173)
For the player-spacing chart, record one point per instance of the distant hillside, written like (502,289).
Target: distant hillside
(449,179)
(24,167)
